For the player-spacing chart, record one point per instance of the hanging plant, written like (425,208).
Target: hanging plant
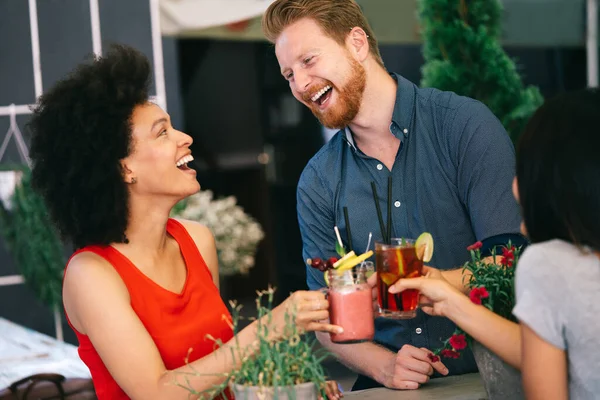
(32,241)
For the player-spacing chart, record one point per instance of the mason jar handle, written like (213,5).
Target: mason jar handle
(325,291)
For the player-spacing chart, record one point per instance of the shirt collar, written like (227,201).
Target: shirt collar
(402,117)
(404,108)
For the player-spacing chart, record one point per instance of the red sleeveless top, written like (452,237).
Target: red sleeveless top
(176,322)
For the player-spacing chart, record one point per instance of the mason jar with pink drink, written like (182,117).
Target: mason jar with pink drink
(350,306)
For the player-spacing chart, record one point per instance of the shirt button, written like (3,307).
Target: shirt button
(418,330)
(379,167)
(397,204)
(405,130)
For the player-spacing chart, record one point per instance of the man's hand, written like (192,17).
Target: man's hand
(332,390)
(410,368)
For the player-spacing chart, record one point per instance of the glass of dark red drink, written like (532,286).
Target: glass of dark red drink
(397,260)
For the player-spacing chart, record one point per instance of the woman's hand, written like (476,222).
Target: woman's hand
(436,292)
(311,310)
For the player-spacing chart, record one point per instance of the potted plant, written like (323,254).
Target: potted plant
(285,369)
(491,285)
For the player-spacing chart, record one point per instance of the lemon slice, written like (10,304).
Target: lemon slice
(354,261)
(326,276)
(424,246)
(400,261)
(343,259)
(388,278)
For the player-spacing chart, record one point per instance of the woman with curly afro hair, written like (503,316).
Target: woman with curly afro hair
(141,290)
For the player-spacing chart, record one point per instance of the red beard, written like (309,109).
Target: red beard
(349,98)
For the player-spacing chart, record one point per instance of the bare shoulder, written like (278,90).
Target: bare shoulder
(200,233)
(90,279)
(89,266)
(205,242)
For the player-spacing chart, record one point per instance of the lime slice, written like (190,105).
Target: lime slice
(326,276)
(424,246)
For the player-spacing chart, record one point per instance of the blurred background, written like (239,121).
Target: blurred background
(219,80)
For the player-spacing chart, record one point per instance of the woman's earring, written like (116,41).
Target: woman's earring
(134,180)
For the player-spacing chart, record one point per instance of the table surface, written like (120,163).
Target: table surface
(462,387)
(25,352)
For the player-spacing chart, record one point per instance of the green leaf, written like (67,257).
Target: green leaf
(339,249)
(30,236)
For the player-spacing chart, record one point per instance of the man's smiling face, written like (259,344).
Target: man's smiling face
(322,74)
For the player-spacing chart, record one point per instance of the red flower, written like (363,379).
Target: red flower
(477,294)
(458,342)
(475,246)
(508,256)
(449,353)
(433,358)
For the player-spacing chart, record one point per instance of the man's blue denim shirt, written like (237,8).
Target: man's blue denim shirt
(452,177)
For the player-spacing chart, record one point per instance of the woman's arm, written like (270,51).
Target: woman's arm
(98,305)
(499,335)
(544,368)
(441,298)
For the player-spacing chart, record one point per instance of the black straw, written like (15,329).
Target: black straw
(350,247)
(389,211)
(376,199)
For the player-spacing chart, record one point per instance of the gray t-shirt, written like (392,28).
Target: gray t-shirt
(558,297)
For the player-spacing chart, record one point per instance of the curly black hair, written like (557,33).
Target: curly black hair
(81,130)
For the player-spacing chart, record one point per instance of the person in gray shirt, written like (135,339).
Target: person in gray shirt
(558,277)
(556,343)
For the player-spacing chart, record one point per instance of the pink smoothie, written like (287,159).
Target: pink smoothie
(352,309)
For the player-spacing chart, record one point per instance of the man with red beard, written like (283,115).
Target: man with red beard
(450,161)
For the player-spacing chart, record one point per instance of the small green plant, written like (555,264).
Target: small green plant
(490,285)
(268,363)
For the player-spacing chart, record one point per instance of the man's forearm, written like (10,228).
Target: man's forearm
(366,358)
(460,277)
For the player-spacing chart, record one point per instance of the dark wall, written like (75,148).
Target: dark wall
(234,100)
(222,105)
(65,39)
(551,69)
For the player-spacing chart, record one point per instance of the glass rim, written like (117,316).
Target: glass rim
(352,274)
(396,243)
